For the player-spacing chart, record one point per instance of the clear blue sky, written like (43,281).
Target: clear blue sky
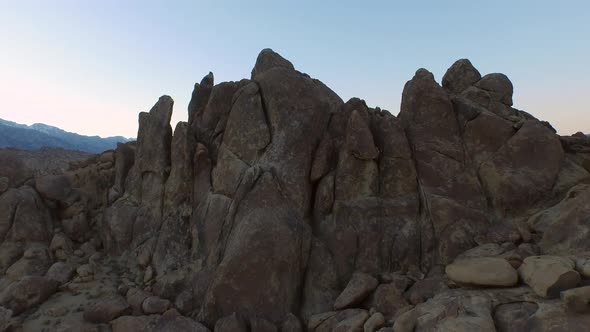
(91,66)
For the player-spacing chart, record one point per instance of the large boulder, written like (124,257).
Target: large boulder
(104,311)
(460,76)
(117,226)
(484,271)
(54,187)
(498,86)
(268,59)
(10,252)
(24,216)
(455,313)
(554,316)
(523,171)
(565,226)
(577,299)
(549,275)
(514,316)
(26,293)
(61,272)
(124,159)
(35,262)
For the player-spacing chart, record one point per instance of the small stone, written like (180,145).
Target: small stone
(106,310)
(79,253)
(85,270)
(56,312)
(577,299)
(61,254)
(135,298)
(88,248)
(95,258)
(60,241)
(133,323)
(155,305)
(405,322)
(387,299)
(262,325)
(231,323)
(5,315)
(61,272)
(358,288)
(35,252)
(172,321)
(149,274)
(583,266)
(374,322)
(184,301)
(353,323)
(122,290)
(3,184)
(291,324)
(401,282)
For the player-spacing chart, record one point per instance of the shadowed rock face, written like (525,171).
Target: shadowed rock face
(276,193)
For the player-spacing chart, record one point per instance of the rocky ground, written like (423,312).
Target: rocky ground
(19,166)
(279,207)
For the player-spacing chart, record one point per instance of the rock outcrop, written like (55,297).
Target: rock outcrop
(280,206)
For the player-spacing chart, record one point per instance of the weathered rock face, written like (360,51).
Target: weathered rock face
(453,202)
(277,203)
(274,247)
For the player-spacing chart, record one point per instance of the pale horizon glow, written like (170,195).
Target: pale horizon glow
(91,67)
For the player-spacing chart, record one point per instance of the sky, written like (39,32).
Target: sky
(91,66)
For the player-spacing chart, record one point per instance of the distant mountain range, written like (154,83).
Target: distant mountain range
(39,135)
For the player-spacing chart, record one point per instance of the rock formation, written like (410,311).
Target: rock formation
(278,206)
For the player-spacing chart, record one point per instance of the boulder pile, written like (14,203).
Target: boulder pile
(280,207)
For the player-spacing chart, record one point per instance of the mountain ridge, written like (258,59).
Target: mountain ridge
(39,135)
